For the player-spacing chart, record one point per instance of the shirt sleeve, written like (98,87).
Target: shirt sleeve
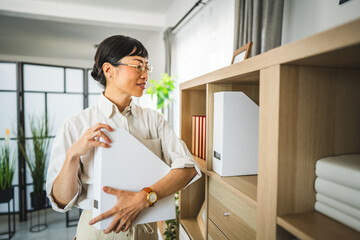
(174,149)
(61,144)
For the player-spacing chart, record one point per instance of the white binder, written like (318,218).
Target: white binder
(235,134)
(128,165)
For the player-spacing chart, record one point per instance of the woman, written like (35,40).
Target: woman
(121,67)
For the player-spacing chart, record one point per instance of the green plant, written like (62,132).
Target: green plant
(162,89)
(40,142)
(172,225)
(6,164)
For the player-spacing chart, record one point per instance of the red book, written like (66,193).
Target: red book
(197,122)
(204,137)
(201,137)
(193,131)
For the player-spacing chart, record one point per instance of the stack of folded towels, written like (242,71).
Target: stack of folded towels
(337,188)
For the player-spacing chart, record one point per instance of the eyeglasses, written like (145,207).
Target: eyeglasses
(140,67)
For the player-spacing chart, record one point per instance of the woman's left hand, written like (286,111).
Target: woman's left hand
(127,208)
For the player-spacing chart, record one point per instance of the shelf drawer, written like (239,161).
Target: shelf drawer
(214,233)
(233,216)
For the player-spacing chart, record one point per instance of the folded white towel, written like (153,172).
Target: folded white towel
(339,192)
(342,207)
(343,169)
(337,215)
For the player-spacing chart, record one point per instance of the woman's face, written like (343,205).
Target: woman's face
(127,79)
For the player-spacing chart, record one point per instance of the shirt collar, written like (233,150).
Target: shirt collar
(108,108)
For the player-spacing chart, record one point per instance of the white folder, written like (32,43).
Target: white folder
(128,165)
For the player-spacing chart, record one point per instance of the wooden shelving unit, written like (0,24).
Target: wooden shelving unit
(314,225)
(192,228)
(244,187)
(202,163)
(309,108)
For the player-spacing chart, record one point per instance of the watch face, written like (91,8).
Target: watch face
(152,197)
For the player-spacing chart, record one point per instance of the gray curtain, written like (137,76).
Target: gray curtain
(259,21)
(168,38)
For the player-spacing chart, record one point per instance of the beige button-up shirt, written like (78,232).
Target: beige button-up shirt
(146,125)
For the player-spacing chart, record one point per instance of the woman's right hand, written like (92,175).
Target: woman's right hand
(87,140)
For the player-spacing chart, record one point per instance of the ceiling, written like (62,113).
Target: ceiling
(33,37)
(153,6)
(74,29)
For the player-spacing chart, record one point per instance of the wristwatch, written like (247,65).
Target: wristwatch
(151,196)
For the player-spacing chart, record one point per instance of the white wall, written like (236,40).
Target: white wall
(303,18)
(178,10)
(203,44)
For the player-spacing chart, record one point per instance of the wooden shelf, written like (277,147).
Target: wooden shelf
(202,164)
(244,187)
(307,92)
(316,50)
(192,228)
(314,225)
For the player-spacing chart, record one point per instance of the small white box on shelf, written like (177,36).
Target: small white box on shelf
(235,134)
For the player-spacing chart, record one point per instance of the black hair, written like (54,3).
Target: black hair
(111,50)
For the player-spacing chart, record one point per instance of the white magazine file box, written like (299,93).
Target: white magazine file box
(128,165)
(235,134)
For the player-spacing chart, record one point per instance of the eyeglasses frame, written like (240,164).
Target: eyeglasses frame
(148,68)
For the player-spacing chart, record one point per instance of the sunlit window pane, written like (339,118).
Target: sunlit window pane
(94,86)
(8,114)
(7,76)
(74,80)
(34,107)
(43,78)
(72,103)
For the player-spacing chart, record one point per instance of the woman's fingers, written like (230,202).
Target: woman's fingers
(102,125)
(124,212)
(100,144)
(113,191)
(87,141)
(127,226)
(112,225)
(121,226)
(99,133)
(102,216)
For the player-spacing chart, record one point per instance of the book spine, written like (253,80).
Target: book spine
(193,121)
(197,136)
(201,137)
(204,137)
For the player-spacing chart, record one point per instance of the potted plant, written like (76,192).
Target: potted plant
(6,170)
(163,89)
(37,161)
(172,226)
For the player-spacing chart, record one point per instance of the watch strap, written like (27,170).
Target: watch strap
(147,189)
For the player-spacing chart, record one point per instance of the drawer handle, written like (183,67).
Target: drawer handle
(226,214)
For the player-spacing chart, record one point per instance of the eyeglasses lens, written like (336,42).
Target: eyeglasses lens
(141,68)
(149,69)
